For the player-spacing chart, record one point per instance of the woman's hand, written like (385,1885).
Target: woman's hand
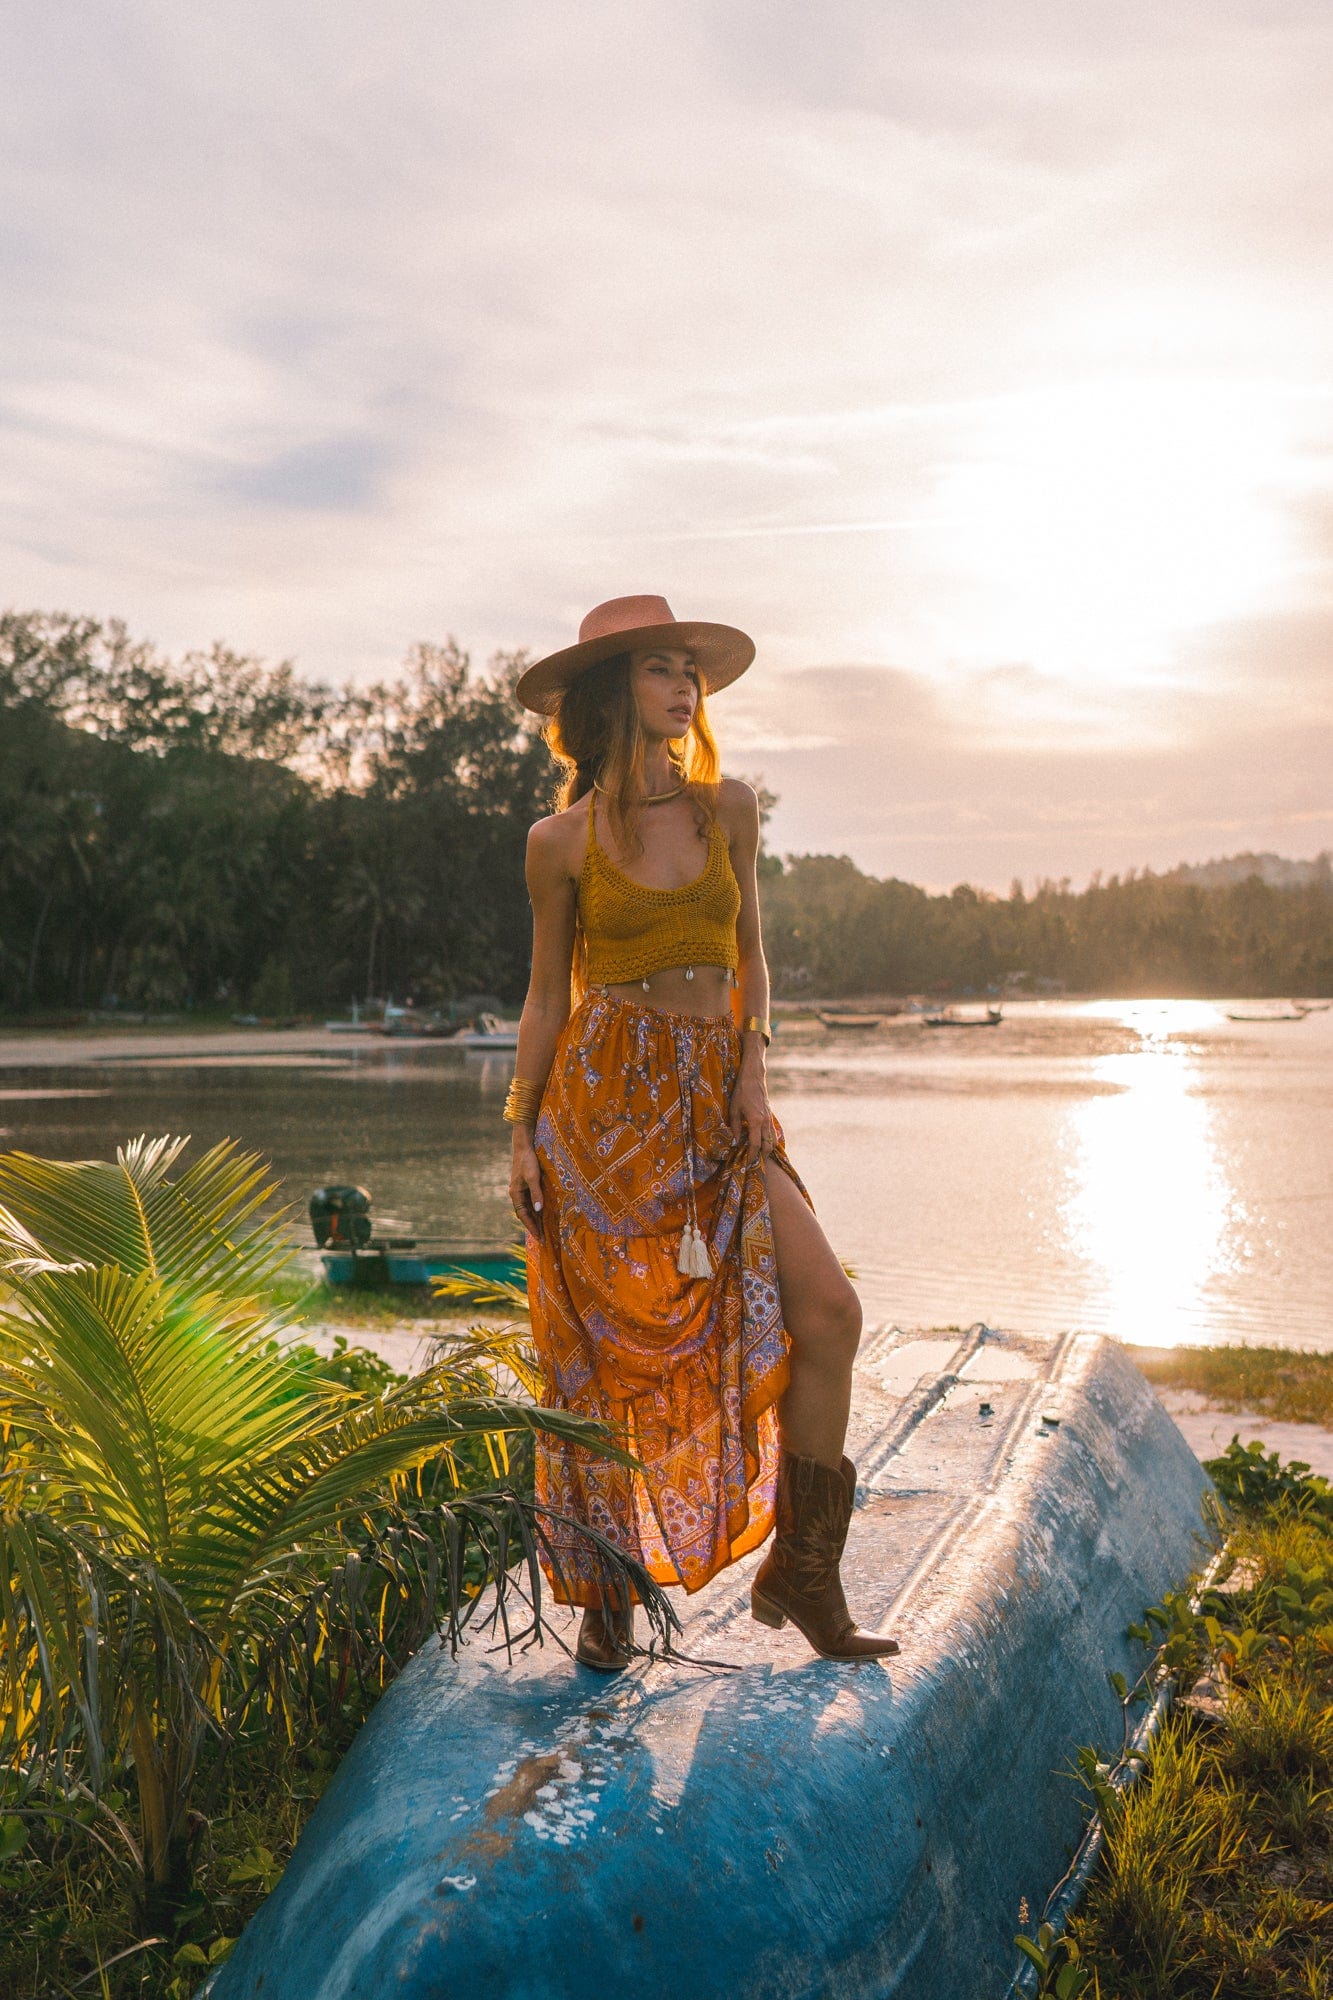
(750,1117)
(525,1184)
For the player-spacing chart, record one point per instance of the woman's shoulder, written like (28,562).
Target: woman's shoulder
(737,805)
(558,841)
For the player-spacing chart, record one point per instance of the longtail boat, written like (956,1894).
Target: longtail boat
(352,1253)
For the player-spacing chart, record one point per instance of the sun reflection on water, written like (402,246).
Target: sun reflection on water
(1151,1205)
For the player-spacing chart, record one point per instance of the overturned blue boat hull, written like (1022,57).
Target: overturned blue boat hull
(798,1827)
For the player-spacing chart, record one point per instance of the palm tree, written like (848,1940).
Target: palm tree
(190,1534)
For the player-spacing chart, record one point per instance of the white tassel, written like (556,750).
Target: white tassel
(693,1260)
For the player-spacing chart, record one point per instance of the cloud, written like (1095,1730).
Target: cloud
(917,780)
(324,333)
(328,474)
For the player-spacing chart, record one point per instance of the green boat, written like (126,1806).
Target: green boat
(392,1264)
(352,1255)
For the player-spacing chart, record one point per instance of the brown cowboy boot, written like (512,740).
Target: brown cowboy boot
(798,1578)
(606,1637)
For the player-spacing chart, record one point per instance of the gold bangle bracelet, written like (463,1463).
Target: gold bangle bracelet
(523,1101)
(754,1026)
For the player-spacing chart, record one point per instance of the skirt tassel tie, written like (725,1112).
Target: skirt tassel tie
(693,1260)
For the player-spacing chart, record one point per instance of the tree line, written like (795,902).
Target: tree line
(218,832)
(832,930)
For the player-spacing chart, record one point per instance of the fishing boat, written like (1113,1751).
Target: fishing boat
(750,1819)
(412,1263)
(487,1032)
(951,1017)
(1292,1010)
(352,1254)
(410,1023)
(854,1021)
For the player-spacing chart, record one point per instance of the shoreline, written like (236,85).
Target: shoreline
(223,1043)
(217,1042)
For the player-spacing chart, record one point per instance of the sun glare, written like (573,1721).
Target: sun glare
(1150,1207)
(1093,524)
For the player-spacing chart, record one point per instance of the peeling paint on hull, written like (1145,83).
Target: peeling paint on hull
(799,1827)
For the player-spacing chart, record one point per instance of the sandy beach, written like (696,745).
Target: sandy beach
(71,1048)
(1209,1430)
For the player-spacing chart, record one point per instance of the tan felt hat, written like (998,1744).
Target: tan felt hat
(721,652)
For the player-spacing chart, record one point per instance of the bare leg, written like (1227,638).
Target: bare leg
(823,1319)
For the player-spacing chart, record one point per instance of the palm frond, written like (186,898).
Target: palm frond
(472,1561)
(347,1463)
(147,1397)
(471,1290)
(187,1522)
(204,1229)
(487,1353)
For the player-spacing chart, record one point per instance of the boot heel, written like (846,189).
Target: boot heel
(766,1612)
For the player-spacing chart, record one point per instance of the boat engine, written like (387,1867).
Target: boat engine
(340,1217)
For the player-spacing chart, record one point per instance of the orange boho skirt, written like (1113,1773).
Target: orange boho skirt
(688,1369)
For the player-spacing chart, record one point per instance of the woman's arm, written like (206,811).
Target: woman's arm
(751,1118)
(552,893)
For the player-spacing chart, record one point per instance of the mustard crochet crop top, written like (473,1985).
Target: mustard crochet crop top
(630,931)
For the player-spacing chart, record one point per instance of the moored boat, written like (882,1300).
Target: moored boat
(487,1032)
(410,1023)
(392,1264)
(953,1017)
(352,1254)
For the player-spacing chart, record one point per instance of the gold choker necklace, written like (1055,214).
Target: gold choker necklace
(649,798)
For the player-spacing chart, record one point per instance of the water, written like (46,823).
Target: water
(1148,1169)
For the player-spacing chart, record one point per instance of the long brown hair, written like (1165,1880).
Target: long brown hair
(596,737)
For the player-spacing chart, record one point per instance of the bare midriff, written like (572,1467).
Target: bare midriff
(707,992)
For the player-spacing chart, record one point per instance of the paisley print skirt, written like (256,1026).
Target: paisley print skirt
(632,1133)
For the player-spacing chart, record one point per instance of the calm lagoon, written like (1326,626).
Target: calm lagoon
(1144,1168)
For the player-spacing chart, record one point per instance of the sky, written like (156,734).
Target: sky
(975,359)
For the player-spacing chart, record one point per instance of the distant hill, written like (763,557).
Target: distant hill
(1273,869)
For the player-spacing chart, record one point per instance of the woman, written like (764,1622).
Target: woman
(681,1288)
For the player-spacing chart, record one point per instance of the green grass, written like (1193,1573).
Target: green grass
(393,1309)
(1274,1382)
(1218,1880)
(1216,1877)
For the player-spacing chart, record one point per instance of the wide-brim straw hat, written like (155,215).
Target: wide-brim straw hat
(721,652)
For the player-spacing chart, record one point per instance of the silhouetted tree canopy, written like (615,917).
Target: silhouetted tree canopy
(832,930)
(219,831)
(198,832)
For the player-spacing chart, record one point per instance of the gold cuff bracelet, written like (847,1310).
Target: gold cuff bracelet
(523,1101)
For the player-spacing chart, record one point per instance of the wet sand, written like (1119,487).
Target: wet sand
(1208,1431)
(70,1048)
